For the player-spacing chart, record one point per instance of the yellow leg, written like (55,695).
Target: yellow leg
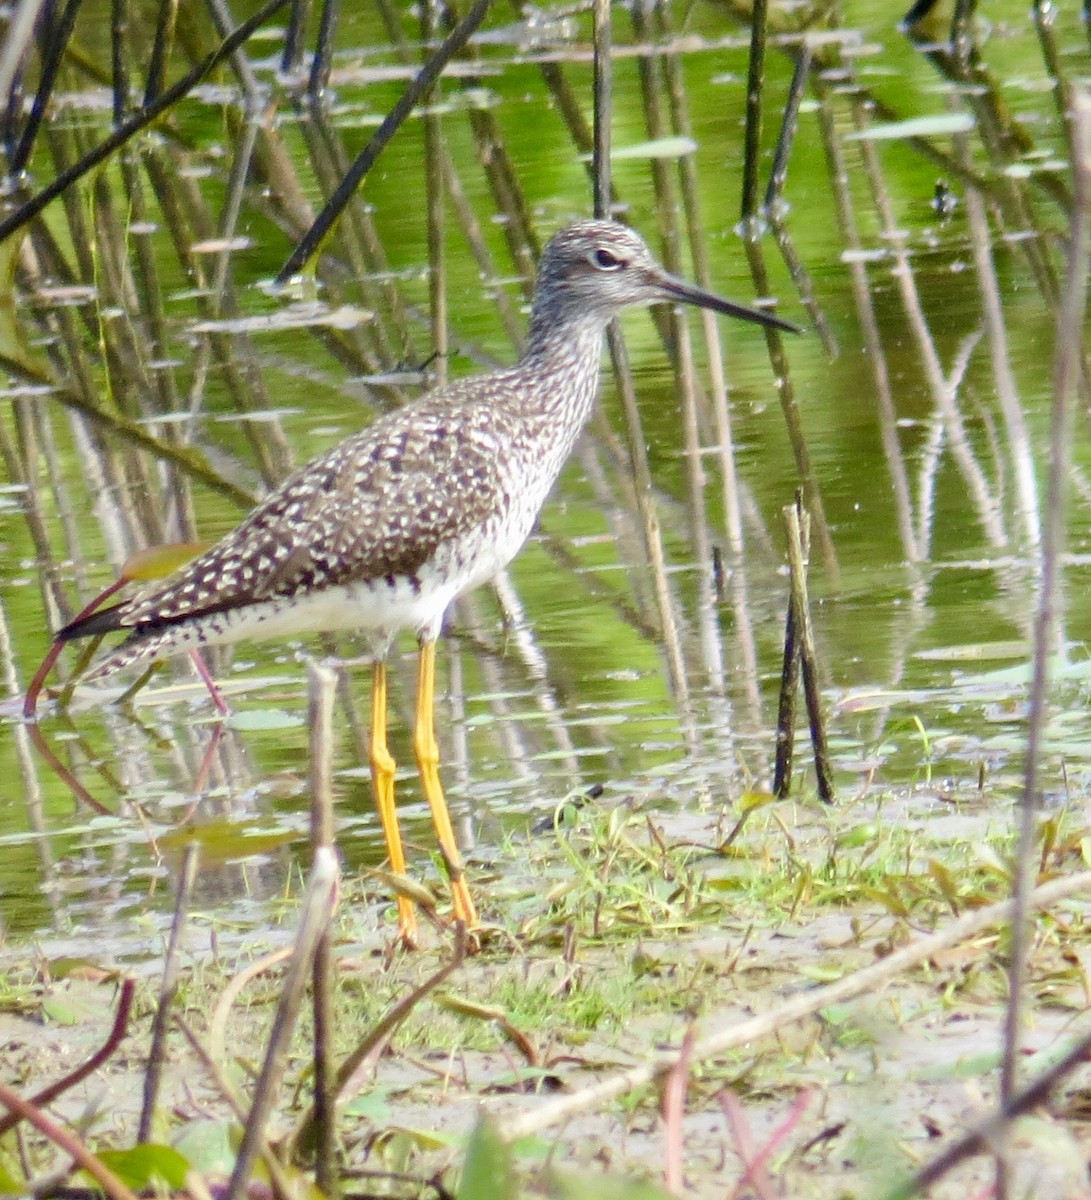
(382,780)
(427,752)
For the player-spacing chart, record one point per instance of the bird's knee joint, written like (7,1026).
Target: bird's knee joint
(383,761)
(426,750)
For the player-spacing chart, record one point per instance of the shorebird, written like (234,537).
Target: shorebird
(384,531)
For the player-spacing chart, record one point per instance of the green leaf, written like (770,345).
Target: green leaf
(487,1172)
(210,1147)
(58,1010)
(259,719)
(222,840)
(10,1186)
(147,1165)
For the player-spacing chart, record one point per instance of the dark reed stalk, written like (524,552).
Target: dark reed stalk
(162,44)
(637,443)
(295,39)
(436,207)
(369,348)
(55,36)
(105,149)
(14,52)
(773,205)
(603,103)
(119,71)
(686,387)
(798,523)
(778,359)
(309,243)
(755,91)
(323,50)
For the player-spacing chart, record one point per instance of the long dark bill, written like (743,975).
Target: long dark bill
(678,290)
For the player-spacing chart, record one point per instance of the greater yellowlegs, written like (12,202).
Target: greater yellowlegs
(382,532)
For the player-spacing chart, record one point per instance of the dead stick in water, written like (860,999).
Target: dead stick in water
(789,684)
(808,658)
(799,645)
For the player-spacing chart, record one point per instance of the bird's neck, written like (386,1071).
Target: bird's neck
(560,369)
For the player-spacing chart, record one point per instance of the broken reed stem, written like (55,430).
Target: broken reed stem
(789,687)
(323,690)
(168,988)
(799,652)
(799,528)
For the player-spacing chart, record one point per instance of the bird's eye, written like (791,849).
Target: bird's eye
(606,261)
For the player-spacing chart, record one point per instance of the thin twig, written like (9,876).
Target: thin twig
(1068,349)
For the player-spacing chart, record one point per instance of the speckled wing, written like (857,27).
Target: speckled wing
(376,506)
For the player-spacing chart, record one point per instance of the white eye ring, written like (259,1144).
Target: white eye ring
(605,261)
